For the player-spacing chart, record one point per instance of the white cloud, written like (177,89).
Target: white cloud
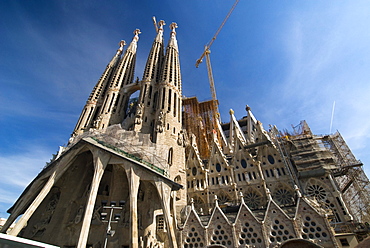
(18,170)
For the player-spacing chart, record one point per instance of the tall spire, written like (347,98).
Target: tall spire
(148,100)
(171,69)
(125,70)
(168,116)
(92,105)
(155,58)
(116,98)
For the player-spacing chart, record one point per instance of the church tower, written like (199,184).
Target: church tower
(147,106)
(93,104)
(130,159)
(108,100)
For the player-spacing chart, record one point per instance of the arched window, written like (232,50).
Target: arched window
(170,156)
(218,167)
(271,159)
(243,163)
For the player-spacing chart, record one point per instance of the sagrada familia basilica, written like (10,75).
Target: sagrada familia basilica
(161,170)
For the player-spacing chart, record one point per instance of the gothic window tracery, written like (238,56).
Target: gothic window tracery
(279,232)
(319,192)
(311,229)
(220,236)
(223,198)
(250,235)
(316,191)
(253,199)
(284,196)
(193,238)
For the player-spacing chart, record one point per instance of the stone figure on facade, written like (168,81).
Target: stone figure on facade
(139,113)
(160,122)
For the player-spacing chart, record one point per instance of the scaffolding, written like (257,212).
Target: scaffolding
(350,176)
(200,121)
(347,171)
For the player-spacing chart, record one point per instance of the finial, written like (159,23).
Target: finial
(231,112)
(268,193)
(247,108)
(192,203)
(298,192)
(161,23)
(216,201)
(241,197)
(173,26)
(201,211)
(121,44)
(136,37)
(137,32)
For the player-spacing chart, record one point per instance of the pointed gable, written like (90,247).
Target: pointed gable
(219,168)
(193,232)
(196,173)
(248,229)
(278,226)
(312,225)
(220,229)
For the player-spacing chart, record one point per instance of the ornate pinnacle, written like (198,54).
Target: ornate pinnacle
(121,44)
(161,23)
(173,26)
(137,32)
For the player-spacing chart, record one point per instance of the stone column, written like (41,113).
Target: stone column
(134,182)
(100,162)
(54,176)
(165,194)
(32,208)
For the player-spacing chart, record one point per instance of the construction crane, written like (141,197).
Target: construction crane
(206,53)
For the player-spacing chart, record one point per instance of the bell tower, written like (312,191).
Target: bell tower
(108,101)
(94,102)
(148,100)
(168,121)
(168,124)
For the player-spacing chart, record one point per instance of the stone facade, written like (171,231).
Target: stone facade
(247,187)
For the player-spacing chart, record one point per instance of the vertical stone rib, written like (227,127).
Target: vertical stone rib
(155,58)
(171,69)
(124,73)
(100,163)
(32,208)
(122,76)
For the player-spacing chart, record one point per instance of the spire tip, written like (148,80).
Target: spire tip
(137,32)
(173,26)
(122,43)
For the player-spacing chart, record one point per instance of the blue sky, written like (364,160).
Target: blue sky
(288,60)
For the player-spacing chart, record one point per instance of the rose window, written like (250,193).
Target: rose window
(222,199)
(284,196)
(316,191)
(253,200)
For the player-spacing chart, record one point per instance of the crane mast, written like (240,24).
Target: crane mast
(206,54)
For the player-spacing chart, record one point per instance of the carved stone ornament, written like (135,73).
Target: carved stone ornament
(160,122)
